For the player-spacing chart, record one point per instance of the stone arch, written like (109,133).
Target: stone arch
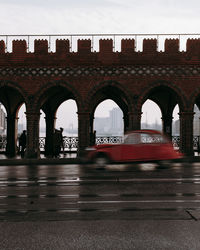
(62,85)
(110,90)
(181,98)
(18,93)
(97,95)
(12,96)
(166,95)
(195,99)
(49,98)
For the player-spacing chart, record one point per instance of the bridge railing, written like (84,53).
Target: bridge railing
(71,143)
(116,38)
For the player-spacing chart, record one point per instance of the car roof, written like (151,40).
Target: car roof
(148,131)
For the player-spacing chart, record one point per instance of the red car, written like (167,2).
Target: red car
(138,146)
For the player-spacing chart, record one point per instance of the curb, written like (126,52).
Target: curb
(53,161)
(49,161)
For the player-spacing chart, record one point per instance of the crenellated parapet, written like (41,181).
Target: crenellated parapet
(84,46)
(149,46)
(19,46)
(127,53)
(128,45)
(62,46)
(41,47)
(2,47)
(171,46)
(193,46)
(105,45)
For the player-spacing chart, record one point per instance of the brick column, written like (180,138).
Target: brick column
(134,121)
(11,145)
(83,131)
(186,132)
(32,149)
(50,125)
(167,125)
(91,129)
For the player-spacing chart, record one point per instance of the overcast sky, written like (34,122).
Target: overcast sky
(99,16)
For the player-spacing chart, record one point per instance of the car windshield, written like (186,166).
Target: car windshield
(143,138)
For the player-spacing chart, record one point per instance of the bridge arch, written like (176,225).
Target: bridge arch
(114,91)
(195,98)
(49,99)
(12,96)
(166,95)
(103,91)
(175,92)
(61,89)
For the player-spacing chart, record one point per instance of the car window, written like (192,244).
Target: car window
(153,138)
(133,138)
(144,138)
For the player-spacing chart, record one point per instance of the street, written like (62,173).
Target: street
(80,191)
(119,207)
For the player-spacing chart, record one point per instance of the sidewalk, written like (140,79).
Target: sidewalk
(68,159)
(101,235)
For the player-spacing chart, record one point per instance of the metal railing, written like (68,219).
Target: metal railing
(51,38)
(71,143)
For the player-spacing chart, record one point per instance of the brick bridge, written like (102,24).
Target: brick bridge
(43,79)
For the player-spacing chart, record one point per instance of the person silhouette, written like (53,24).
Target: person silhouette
(22,143)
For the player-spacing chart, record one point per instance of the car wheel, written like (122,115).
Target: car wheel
(100,161)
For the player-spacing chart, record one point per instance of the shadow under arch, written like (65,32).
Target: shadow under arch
(12,93)
(167,90)
(109,90)
(12,96)
(51,97)
(60,91)
(195,98)
(166,95)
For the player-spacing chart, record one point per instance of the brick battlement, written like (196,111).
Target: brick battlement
(106,54)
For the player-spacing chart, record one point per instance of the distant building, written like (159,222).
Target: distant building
(111,125)
(156,126)
(102,125)
(116,120)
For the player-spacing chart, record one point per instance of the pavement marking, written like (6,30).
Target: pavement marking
(196,164)
(125,195)
(80,181)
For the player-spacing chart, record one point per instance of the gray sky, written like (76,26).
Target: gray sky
(99,16)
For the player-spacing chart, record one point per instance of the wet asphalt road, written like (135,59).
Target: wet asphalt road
(65,192)
(81,207)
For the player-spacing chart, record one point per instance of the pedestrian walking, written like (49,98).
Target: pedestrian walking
(22,143)
(61,140)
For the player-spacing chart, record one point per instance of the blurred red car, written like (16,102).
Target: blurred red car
(138,146)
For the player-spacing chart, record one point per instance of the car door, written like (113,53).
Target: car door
(150,146)
(130,149)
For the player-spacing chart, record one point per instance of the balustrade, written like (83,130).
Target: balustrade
(71,143)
